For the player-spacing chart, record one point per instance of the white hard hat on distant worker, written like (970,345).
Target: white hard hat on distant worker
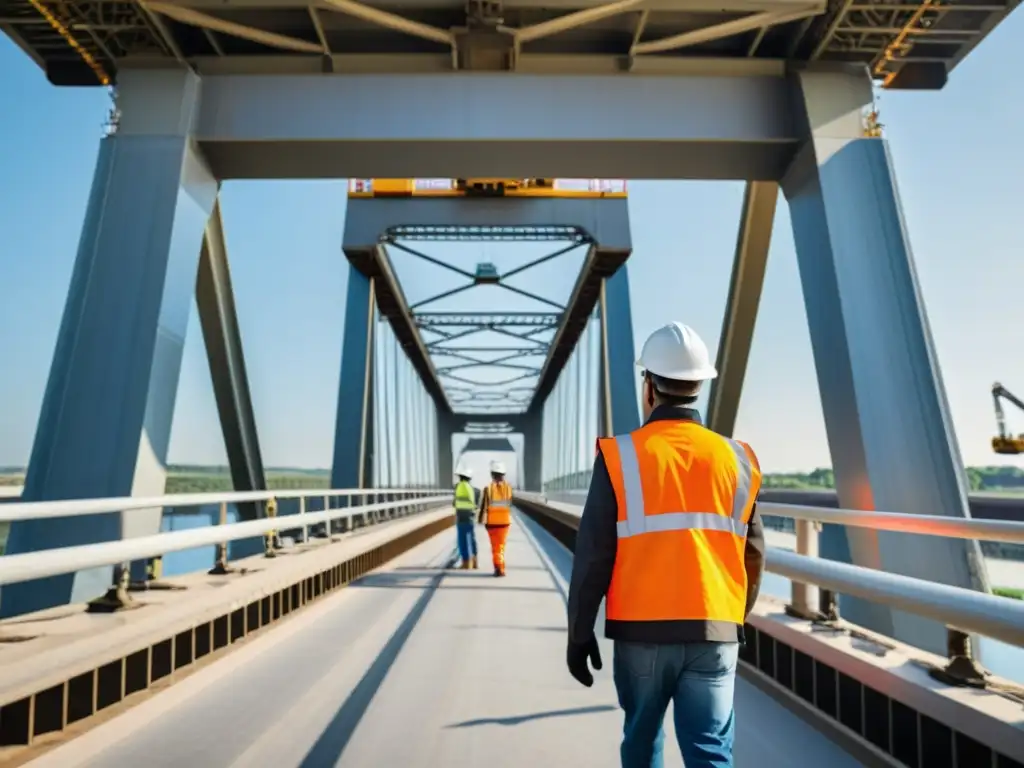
(464,471)
(498,467)
(676,352)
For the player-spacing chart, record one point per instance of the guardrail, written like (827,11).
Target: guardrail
(982,505)
(962,610)
(69,672)
(120,553)
(878,698)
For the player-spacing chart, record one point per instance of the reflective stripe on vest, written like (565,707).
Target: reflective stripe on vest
(638,522)
(684,496)
(499,504)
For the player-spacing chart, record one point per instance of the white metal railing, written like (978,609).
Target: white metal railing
(1006,531)
(35,510)
(963,609)
(53,562)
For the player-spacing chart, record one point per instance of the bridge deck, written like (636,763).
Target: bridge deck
(415,666)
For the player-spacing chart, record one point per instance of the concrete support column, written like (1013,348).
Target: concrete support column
(888,423)
(105,422)
(752,244)
(619,413)
(353,433)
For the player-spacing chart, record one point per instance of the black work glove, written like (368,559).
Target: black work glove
(576,656)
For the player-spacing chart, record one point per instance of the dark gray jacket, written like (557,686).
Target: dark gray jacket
(594,559)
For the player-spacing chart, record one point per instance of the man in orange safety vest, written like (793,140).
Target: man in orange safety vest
(496,514)
(671,536)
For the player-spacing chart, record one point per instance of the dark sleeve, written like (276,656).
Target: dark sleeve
(753,558)
(483,506)
(594,557)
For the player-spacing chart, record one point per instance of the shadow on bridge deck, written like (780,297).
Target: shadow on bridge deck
(416,666)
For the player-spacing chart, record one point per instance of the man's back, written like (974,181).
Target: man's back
(670,533)
(465,501)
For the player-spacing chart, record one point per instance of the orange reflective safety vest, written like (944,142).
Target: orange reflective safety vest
(685,495)
(499,504)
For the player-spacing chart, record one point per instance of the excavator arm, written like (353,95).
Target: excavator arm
(1004,442)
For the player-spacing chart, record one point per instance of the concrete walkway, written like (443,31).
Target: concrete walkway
(417,667)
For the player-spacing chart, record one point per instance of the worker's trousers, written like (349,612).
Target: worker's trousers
(699,679)
(498,534)
(465,533)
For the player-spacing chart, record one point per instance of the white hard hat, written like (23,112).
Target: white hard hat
(498,467)
(464,471)
(676,352)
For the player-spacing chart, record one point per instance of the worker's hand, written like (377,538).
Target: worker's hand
(577,655)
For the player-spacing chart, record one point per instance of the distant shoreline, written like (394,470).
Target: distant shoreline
(197,478)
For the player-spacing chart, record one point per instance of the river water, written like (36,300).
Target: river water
(999,658)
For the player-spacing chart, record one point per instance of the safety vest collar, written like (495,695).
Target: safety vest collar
(637,522)
(674,413)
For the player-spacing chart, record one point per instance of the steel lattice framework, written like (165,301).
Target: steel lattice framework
(444,334)
(906,43)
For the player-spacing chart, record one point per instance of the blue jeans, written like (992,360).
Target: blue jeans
(699,679)
(466,536)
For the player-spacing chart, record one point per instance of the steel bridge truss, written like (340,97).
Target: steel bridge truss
(456,363)
(83,42)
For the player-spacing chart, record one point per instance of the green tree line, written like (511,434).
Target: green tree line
(979,479)
(200,479)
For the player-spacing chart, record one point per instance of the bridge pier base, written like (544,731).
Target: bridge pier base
(886,415)
(105,422)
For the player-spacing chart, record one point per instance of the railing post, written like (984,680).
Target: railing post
(117,597)
(807,601)
(154,571)
(962,669)
(302,519)
(805,596)
(220,563)
(269,540)
(829,605)
(328,524)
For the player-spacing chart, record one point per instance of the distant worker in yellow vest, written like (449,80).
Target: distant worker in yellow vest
(465,507)
(671,536)
(496,514)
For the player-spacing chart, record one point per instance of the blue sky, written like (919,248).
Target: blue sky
(959,161)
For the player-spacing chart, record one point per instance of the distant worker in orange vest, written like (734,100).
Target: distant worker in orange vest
(496,514)
(671,536)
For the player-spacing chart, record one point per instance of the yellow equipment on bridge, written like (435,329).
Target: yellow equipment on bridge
(1004,442)
(573,188)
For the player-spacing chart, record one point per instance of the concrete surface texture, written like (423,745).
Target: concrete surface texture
(415,666)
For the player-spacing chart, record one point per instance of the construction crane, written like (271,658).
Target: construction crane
(1004,442)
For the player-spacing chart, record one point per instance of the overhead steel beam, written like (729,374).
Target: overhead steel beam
(572,20)
(526,63)
(474,125)
(215,24)
(402,6)
(390,20)
(436,319)
(451,233)
(752,243)
(726,29)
